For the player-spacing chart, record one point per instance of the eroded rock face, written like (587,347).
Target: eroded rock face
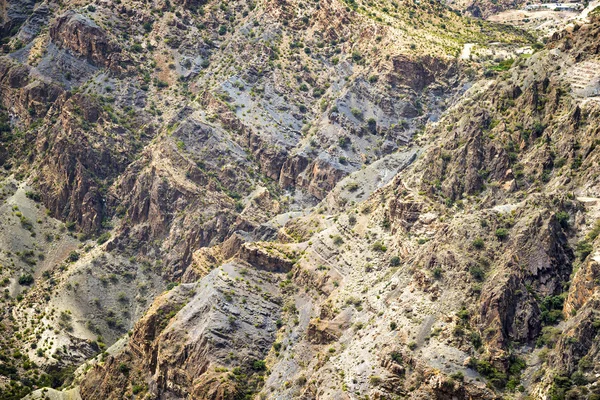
(414,74)
(509,305)
(406,213)
(13,14)
(154,200)
(180,347)
(320,177)
(70,183)
(23,95)
(264,258)
(584,285)
(580,340)
(82,36)
(323,332)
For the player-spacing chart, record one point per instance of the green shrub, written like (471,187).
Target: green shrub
(123,368)
(344,142)
(579,379)
(551,307)
(477,272)
(501,233)
(563,219)
(26,279)
(458,376)
(259,365)
(26,223)
(583,249)
(73,256)
(485,368)
(136,389)
(33,196)
(503,65)
(103,238)
(463,314)
(396,357)
(379,246)
(136,48)
(475,339)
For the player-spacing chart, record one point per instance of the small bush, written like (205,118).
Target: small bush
(396,357)
(26,279)
(103,238)
(259,365)
(478,243)
(123,368)
(477,272)
(33,196)
(501,233)
(458,376)
(26,223)
(73,256)
(344,142)
(378,246)
(136,389)
(352,187)
(583,249)
(563,219)
(136,48)
(475,339)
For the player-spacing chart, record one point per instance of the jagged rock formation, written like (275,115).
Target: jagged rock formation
(217,326)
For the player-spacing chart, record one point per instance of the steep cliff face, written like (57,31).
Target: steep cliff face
(82,36)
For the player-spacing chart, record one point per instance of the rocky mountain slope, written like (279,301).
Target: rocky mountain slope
(286,199)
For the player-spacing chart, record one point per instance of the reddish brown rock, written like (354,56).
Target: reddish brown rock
(85,38)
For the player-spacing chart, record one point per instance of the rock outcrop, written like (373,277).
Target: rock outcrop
(85,38)
(192,336)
